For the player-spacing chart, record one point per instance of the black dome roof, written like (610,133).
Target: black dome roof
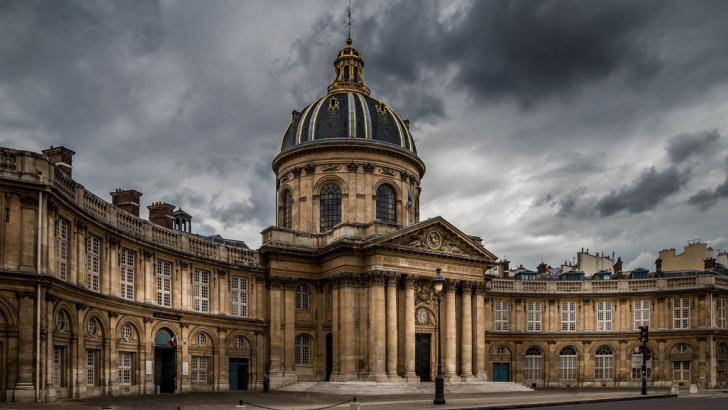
(348,112)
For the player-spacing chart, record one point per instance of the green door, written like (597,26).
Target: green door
(501,372)
(233,375)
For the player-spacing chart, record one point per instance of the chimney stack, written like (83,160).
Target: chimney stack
(709,264)
(160,213)
(127,200)
(62,157)
(658,267)
(541,269)
(618,268)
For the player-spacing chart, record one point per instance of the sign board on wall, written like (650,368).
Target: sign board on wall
(185,369)
(149,367)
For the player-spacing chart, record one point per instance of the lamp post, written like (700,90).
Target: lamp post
(438,284)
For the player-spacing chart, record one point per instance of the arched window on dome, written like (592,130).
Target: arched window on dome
(604,364)
(386,210)
(354,73)
(330,206)
(346,73)
(567,364)
(534,364)
(287,209)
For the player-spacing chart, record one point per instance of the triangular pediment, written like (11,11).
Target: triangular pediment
(434,235)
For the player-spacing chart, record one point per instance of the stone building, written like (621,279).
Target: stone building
(95,300)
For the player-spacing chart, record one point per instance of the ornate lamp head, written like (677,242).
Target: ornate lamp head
(438,283)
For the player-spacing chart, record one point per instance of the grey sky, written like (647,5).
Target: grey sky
(546,126)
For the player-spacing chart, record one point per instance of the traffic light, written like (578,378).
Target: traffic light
(644,336)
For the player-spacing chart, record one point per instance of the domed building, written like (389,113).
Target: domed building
(95,300)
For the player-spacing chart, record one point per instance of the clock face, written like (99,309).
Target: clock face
(434,240)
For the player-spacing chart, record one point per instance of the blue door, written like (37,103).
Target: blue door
(233,375)
(501,372)
(238,374)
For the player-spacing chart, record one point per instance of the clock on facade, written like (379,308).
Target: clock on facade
(434,240)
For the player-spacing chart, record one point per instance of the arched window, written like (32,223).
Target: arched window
(637,363)
(533,364)
(604,364)
(385,204)
(303,350)
(302,297)
(346,73)
(567,364)
(330,206)
(287,210)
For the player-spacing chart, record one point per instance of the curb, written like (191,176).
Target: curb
(562,403)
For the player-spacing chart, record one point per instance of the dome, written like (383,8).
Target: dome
(347,111)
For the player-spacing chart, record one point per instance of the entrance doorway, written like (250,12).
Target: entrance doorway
(329,356)
(423,355)
(501,372)
(165,370)
(238,374)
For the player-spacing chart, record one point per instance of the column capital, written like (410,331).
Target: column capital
(467,287)
(376,278)
(392,278)
(319,286)
(346,280)
(410,281)
(451,285)
(290,283)
(481,288)
(276,282)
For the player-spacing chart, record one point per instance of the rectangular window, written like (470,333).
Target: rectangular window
(534,317)
(94,262)
(501,316)
(721,313)
(604,367)
(681,313)
(533,367)
(240,296)
(164,283)
(567,367)
(604,316)
(125,368)
(202,291)
(57,366)
(681,371)
(641,313)
(127,274)
(568,316)
(199,369)
(62,255)
(91,367)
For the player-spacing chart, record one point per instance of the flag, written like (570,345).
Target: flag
(409,201)
(171,341)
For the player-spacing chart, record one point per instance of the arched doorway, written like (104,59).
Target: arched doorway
(165,344)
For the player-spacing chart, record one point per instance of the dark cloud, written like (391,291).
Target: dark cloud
(707,198)
(567,204)
(682,146)
(645,193)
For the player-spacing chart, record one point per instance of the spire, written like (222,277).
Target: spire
(348,65)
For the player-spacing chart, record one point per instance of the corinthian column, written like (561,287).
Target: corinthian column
(275,286)
(347,370)
(466,334)
(410,283)
(480,373)
(289,325)
(392,280)
(451,333)
(377,334)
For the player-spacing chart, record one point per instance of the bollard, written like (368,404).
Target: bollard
(693,388)
(157,388)
(675,390)
(354,406)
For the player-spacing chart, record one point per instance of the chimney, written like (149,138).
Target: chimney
(160,213)
(506,264)
(658,267)
(618,267)
(62,157)
(127,200)
(541,269)
(709,264)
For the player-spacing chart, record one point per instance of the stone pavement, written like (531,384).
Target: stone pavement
(308,401)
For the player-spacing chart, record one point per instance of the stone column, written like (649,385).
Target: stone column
(335,352)
(276,317)
(377,334)
(466,333)
(450,339)
(24,389)
(221,365)
(347,370)
(703,374)
(480,373)
(50,391)
(392,280)
(289,328)
(410,283)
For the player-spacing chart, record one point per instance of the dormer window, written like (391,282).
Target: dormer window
(333,103)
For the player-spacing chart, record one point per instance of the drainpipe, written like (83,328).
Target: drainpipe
(37,297)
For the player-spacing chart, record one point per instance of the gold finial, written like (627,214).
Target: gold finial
(349,23)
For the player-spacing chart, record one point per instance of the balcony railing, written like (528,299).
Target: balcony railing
(607,286)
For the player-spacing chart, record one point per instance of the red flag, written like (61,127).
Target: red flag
(171,341)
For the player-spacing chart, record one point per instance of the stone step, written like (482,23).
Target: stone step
(374,388)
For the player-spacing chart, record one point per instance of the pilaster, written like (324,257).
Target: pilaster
(392,354)
(450,359)
(377,334)
(410,283)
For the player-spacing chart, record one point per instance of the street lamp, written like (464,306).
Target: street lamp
(438,284)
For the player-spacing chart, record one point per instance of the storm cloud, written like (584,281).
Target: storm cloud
(546,126)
